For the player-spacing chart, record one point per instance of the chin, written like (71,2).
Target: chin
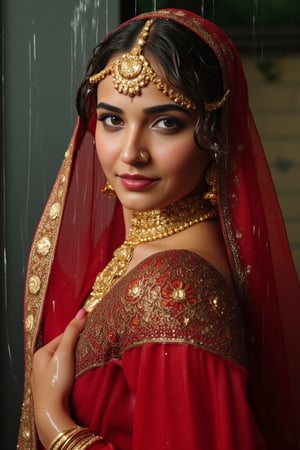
(140,203)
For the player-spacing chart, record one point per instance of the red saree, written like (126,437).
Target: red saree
(168,369)
(205,405)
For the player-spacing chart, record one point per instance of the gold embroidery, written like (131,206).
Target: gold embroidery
(39,264)
(248,269)
(43,246)
(173,296)
(34,284)
(179,295)
(135,291)
(29,322)
(228,223)
(54,210)
(234,200)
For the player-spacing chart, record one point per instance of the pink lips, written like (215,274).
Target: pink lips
(136,182)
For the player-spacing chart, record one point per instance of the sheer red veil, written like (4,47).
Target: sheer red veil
(80,227)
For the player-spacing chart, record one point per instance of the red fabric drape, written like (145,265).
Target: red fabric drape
(169,396)
(90,227)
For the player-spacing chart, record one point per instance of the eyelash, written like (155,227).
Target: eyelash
(177,124)
(103,118)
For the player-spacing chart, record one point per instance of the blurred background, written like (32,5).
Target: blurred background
(45,47)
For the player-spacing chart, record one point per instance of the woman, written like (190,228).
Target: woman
(180,341)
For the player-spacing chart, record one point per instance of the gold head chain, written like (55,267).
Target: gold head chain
(132,72)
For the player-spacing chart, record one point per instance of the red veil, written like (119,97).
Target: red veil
(80,228)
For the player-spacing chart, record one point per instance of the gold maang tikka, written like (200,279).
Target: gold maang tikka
(132,72)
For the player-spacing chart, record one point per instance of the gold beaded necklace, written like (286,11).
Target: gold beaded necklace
(147,227)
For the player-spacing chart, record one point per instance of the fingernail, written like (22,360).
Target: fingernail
(81,314)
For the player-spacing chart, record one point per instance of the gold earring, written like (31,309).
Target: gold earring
(108,190)
(211,178)
(144,156)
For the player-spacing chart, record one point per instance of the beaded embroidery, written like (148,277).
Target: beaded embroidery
(173,297)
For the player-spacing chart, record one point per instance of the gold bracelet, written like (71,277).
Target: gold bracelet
(89,442)
(62,437)
(83,443)
(75,438)
(80,439)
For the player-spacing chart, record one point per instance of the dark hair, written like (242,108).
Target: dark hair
(188,65)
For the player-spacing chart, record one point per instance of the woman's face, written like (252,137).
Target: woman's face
(163,130)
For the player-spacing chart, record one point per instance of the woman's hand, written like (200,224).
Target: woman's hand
(52,380)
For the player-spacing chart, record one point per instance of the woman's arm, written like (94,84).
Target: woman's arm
(52,382)
(189,398)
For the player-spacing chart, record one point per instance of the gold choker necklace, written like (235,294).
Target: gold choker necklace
(147,227)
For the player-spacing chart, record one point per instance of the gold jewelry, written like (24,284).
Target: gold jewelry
(144,156)
(214,106)
(132,72)
(211,178)
(86,445)
(75,438)
(146,227)
(63,437)
(108,189)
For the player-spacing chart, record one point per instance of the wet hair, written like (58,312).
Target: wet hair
(188,65)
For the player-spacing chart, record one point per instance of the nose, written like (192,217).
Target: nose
(134,150)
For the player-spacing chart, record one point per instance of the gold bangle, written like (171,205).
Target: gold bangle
(82,444)
(75,438)
(85,445)
(71,442)
(81,438)
(62,437)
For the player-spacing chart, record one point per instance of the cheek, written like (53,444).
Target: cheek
(104,151)
(100,153)
(187,161)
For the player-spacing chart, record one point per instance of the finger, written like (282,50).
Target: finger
(72,331)
(52,346)
(44,353)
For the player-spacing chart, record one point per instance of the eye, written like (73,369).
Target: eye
(168,124)
(110,121)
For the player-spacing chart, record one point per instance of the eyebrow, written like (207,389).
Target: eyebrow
(165,108)
(150,110)
(109,107)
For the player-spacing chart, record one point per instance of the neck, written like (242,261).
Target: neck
(147,227)
(127,215)
(163,222)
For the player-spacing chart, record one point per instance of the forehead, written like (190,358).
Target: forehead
(133,75)
(148,97)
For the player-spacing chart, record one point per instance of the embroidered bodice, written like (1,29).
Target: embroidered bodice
(172,296)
